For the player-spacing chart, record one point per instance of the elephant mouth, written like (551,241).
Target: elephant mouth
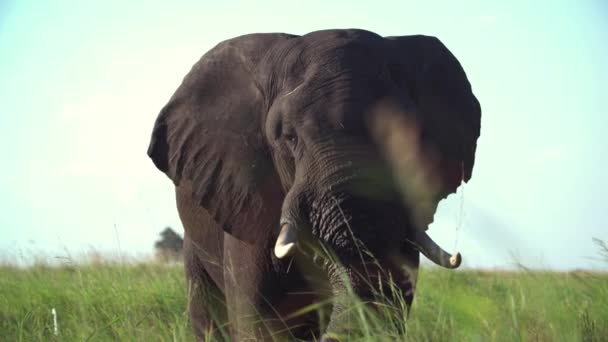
(287,243)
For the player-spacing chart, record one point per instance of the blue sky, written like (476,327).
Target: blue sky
(82,84)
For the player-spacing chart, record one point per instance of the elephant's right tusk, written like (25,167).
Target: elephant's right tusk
(436,254)
(286,241)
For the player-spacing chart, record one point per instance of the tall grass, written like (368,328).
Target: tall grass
(147,302)
(97,302)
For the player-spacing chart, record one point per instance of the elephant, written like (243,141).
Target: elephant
(340,138)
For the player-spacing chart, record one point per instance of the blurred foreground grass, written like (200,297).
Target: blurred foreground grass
(146,302)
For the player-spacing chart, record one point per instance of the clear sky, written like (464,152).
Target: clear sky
(81,85)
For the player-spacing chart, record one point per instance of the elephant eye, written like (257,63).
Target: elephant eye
(291,139)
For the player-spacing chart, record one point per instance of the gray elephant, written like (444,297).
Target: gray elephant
(341,138)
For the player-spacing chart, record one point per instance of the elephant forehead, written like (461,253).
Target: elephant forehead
(340,103)
(323,54)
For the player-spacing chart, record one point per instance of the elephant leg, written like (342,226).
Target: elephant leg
(253,290)
(206,302)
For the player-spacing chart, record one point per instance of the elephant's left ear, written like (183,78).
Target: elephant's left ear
(209,136)
(446,109)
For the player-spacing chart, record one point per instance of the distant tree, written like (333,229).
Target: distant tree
(169,247)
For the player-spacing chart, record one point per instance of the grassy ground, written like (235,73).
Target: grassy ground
(146,302)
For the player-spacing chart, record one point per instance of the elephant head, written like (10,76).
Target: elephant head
(358,136)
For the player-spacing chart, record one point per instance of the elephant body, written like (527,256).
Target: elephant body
(278,144)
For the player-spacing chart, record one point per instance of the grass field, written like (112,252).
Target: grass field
(146,302)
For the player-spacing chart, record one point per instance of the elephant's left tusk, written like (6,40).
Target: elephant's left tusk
(436,254)
(286,241)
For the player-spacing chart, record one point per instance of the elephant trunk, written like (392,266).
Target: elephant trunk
(389,280)
(341,285)
(310,207)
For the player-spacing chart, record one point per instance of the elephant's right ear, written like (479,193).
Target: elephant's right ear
(209,136)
